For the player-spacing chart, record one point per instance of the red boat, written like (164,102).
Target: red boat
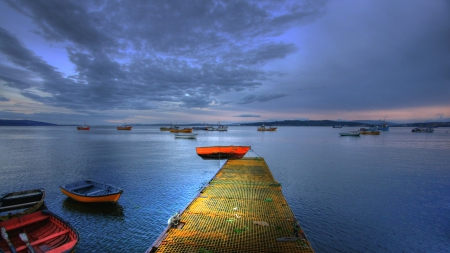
(42,231)
(85,127)
(222,152)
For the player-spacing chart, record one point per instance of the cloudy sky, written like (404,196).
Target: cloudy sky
(177,61)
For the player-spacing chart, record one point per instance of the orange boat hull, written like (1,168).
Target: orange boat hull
(124,128)
(45,231)
(83,128)
(222,152)
(187,130)
(93,199)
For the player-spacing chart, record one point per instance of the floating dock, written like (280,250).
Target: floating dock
(242,209)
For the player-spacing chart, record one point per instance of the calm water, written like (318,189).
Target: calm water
(386,193)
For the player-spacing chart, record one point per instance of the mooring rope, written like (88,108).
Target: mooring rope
(255,153)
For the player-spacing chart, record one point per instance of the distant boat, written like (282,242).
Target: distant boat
(40,231)
(18,203)
(85,127)
(337,126)
(91,192)
(222,128)
(351,133)
(186,135)
(124,127)
(370,131)
(222,152)
(384,127)
(185,130)
(164,128)
(263,128)
(422,130)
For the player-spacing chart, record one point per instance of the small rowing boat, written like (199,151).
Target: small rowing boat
(22,202)
(41,231)
(91,192)
(222,152)
(186,135)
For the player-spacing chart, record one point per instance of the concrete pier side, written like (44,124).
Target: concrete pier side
(242,209)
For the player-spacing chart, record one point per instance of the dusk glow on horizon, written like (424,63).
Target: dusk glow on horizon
(148,62)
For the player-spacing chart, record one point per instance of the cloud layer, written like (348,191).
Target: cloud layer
(299,59)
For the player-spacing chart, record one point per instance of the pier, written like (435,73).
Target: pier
(242,209)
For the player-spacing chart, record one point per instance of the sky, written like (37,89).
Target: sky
(206,61)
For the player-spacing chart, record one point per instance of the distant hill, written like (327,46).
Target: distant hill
(7,122)
(305,123)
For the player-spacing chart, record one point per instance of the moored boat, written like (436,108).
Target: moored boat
(21,202)
(85,127)
(222,128)
(337,126)
(351,133)
(422,130)
(184,130)
(164,128)
(222,152)
(264,128)
(384,127)
(370,131)
(186,135)
(91,191)
(42,231)
(124,127)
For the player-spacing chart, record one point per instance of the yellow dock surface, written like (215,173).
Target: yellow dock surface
(242,209)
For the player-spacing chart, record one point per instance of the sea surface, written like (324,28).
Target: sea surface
(386,193)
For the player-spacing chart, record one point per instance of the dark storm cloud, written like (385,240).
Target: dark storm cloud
(260,98)
(136,54)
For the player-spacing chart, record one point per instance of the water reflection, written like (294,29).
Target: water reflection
(100,209)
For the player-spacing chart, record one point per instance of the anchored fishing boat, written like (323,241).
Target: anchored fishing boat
(370,131)
(263,128)
(185,130)
(85,127)
(124,127)
(21,202)
(164,128)
(422,130)
(222,152)
(40,231)
(91,192)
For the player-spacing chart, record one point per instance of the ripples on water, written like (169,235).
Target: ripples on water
(387,193)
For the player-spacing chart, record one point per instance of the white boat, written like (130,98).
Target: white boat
(222,128)
(351,133)
(422,130)
(186,135)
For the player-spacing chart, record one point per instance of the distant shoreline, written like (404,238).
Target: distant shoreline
(322,123)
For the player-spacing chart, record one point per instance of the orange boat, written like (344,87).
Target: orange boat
(185,130)
(42,231)
(91,192)
(124,127)
(222,152)
(85,127)
(263,128)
